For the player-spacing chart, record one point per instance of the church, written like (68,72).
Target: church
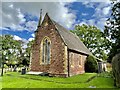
(56,50)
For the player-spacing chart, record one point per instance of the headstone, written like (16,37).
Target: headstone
(23,71)
(15,68)
(100,67)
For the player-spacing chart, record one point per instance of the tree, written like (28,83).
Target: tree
(91,64)
(93,38)
(6,44)
(112,29)
(10,51)
(26,60)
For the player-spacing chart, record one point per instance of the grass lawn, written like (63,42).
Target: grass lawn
(0,83)
(16,80)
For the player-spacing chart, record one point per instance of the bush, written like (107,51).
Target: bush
(116,69)
(91,64)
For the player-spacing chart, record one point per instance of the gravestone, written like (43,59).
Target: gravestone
(23,71)
(100,67)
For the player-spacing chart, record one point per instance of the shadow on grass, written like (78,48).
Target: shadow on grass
(88,80)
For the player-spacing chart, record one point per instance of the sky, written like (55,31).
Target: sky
(20,18)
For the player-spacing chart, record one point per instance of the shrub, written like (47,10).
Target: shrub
(91,64)
(116,69)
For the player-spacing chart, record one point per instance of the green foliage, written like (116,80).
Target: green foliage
(116,69)
(93,39)
(9,47)
(91,64)
(10,50)
(5,66)
(112,30)
(27,53)
(13,53)
(105,74)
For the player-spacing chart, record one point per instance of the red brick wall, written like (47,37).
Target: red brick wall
(57,50)
(74,60)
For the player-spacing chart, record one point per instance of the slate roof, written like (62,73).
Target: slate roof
(71,40)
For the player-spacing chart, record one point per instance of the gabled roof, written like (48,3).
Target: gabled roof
(71,40)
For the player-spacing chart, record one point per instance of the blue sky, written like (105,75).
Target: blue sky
(20,19)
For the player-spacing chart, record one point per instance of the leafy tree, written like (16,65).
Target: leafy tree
(112,29)
(10,51)
(13,53)
(6,44)
(27,53)
(93,38)
(91,64)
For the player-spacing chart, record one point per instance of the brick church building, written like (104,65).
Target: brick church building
(57,51)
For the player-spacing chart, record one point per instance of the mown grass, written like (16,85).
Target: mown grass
(16,80)
(0,83)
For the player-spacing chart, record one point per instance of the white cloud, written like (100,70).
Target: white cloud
(106,10)
(11,6)
(30,39)
(31,25)
(87,22)
(102,12)
(91,21)
(33,35)
(101,23)
(84,14)
(20,16)
(85,2)
(16,37)
(24,46)
(14,16)
(24,40)
(98,23)
(88,4)
(106,1)
(2,28)
(81,23)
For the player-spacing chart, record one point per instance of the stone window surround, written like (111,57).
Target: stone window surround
(41,51)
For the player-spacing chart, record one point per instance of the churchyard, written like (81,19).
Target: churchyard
(87,80)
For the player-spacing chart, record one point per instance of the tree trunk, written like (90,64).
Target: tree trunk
(2,69)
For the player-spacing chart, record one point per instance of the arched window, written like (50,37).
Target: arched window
(45,50)
(72,60)
(80,60)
